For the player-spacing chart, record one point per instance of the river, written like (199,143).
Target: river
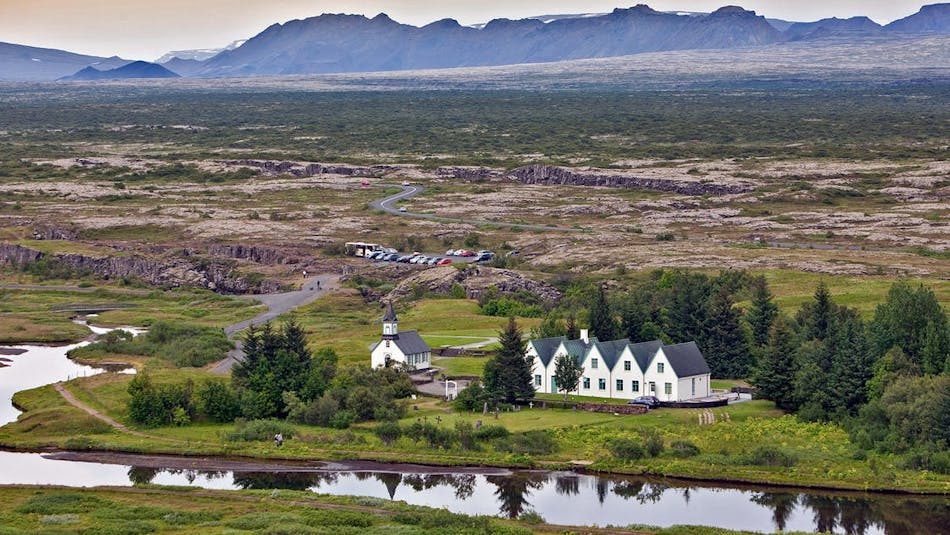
(40,365)
(559,497)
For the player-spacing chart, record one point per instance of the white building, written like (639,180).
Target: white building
(621,369)
(407,348)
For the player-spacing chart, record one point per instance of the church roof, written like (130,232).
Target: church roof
(546,347)
(390,313)
(410,343)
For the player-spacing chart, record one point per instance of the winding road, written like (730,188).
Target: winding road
(408,192)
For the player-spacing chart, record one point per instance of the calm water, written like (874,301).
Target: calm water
(559,497)
(40,365)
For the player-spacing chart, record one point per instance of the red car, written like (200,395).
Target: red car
(444,261)
(467,253)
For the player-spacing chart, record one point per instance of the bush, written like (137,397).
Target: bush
(626,449)
(388,432)
(491,432)
(342,419)
(653,443)
(684,448)
(926,459)
(251,430)
(771,456)
(217,401)
(472,398)
(528,443)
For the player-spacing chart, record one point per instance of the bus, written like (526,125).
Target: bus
(358,248)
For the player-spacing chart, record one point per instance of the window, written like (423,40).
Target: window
(593,364)
(602,384)
(387,343)
(668,388)
(626,365)
(652,387)
(635,386)
(619,385)
(694,386)
(537,380)
(587,383)
(659,367)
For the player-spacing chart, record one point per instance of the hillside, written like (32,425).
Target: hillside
(20,63)
(134,70)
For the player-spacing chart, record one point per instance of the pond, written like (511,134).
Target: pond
(559,497)
(39,365)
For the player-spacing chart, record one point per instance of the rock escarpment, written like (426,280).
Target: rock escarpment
(170,272)
(475,280)
(553,175)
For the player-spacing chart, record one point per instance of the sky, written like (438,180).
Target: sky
(147,29)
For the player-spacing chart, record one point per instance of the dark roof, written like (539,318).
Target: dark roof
(643,352)
(610,351)
(686,359)
(546,348)
(410,343)
(390,313)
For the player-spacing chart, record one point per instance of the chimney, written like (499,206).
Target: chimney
(584,336)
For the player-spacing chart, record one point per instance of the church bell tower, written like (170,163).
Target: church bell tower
(390,323)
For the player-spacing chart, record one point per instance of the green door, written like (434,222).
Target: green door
(553,385)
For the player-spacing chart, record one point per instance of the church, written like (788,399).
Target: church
(406,348)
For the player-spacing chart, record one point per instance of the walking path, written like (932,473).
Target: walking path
(71,399)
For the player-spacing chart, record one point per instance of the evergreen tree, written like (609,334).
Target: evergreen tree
(633,317)
(508,375)
(936,348)
(688,307)
(725,345)
(904,319)
(775,373)
(573,332)
(567,373)
(815,318)
(762,312)
(603,326)
(851,362)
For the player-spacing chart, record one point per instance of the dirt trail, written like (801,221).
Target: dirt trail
(71,399)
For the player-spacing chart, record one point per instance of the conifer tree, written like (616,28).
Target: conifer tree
(725,345)
(774,374)
(573,331)
(508,375)
(602,323)
(762,312)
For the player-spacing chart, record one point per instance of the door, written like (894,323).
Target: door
(553,385)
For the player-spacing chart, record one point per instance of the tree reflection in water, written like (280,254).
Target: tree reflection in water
(463,484)
(283,480)
(513,490)
(781,504)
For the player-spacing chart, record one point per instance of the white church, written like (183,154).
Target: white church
(406,348)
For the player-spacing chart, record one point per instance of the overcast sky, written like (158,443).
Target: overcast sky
(146,29)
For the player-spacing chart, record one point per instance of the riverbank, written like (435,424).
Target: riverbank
(824,457)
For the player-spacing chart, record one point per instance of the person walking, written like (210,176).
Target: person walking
(279,439)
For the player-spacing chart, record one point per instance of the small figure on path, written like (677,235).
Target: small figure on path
(318,285)
(279,439)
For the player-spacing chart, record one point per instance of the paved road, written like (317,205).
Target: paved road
(277,304)
(407,192)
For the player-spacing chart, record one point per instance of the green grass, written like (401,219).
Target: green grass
(460,366)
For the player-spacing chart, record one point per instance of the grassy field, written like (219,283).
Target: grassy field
(46,315)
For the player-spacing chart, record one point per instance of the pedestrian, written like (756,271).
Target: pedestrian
(318,285)
(279,439)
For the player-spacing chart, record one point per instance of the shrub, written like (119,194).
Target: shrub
(388,432)
(472,398)
(626,449)
(491,432)
(684,448)
(251,430)
(653,443)
(342,419)
(529,443)
(217,401)
(771,456)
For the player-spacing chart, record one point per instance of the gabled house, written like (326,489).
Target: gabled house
(406,348)
(621,369)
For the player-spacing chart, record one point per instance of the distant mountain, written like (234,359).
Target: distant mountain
(199,54)
(20,63)
(932,19)
(136,69)
(353,43)
(833,25)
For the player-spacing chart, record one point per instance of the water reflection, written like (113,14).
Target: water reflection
(559,497)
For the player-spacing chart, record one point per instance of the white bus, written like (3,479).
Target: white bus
(358,248)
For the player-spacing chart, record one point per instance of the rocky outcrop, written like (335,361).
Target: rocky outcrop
(262,255)
(553,175)
(163,272)
(313,169)
(475,280)
(469,173)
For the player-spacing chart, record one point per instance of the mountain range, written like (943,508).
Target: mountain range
(136,69)
(353,43)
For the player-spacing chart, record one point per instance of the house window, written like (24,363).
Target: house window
(602,384)
(387,343)
(537,380)
(635,386)
(619,385)
(694,386)
(659,367)
(593,364)
(652,387)
(626,365)
(668,388)
(587,383)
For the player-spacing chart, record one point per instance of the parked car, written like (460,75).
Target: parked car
(513,253)
(651,402)
(450,252)
(433,261)
(405,183)
(468,253)
(484,256)
(402,208)
(444,262)
(391,257)
(404,258)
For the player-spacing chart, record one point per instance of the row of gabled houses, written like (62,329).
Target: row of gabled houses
(622,369)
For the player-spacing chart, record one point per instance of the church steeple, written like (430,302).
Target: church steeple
(390,323)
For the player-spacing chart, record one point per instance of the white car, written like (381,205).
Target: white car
(402,208)
(450,252)
(406,183)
